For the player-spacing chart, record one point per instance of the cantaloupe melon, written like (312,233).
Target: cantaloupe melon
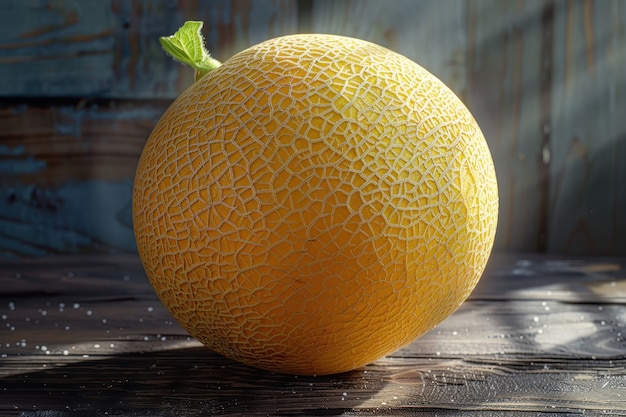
(313,204)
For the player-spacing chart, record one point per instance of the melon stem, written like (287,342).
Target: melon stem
(187,47)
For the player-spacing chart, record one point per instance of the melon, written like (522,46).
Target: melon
(314,203)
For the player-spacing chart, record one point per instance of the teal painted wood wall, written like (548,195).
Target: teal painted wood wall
(83,82)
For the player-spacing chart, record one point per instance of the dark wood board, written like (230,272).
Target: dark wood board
(539,336)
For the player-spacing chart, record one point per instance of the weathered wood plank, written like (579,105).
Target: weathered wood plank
(66,173)
(49,144)
(88,334)
(564,137)
(110,48)
(192,382)
(587,199)
(504,67)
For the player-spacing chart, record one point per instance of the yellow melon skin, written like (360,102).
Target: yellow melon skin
(315,203)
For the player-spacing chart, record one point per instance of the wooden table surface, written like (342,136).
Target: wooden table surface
(539,336)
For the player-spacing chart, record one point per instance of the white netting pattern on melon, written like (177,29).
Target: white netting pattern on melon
(311,193)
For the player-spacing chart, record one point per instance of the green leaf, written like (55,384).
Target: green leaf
(187,47)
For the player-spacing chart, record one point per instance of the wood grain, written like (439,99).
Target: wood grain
(66,173)
(48,144)
(110,48)
(539,335)
(573,142)
(587,197)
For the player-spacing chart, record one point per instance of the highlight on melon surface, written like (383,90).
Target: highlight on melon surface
(313,203)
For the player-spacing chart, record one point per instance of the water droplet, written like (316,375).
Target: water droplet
(454,333)
(536,319)
(150,309)
(97,346)
(11,305)
(65,353)
(76,306)
(89,312)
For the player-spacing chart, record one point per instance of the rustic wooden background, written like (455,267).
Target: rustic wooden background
(83,82)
